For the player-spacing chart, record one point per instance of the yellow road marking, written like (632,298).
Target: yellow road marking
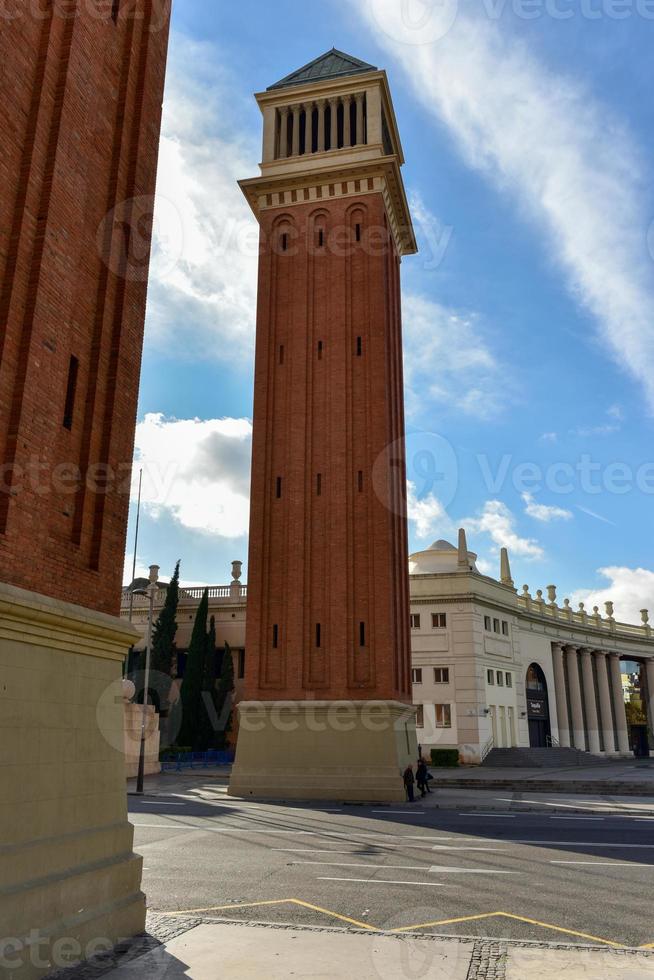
(413,928)
(279,901)
(445,922)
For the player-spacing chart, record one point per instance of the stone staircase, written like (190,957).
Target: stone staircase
(554,758)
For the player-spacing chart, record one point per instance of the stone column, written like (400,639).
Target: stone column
(283,133)
(321,125)
(333,104)
(649,667)
(608,733)
(296,130)
(618,704)
(347,132)
(590,701)
(308,133)
(561,700)
(578,734)
(361,129)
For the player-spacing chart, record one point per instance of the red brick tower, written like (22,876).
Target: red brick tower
(328,607)
(81,87)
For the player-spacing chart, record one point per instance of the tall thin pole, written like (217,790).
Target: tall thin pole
(152,591)
(136,544)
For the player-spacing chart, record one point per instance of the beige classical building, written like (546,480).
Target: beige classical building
(493,667)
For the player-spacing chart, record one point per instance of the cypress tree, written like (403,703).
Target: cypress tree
(191,693)
(224,697)
(208,714)
(163,650)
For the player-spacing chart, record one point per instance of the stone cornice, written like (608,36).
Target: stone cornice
(34,619)
(319,186)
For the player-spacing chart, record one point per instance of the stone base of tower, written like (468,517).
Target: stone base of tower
(70,883)
(324,750)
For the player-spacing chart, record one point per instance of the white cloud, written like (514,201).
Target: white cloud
(545,141)
(544,512)
(549,437)
(498,522)
(630,589)
(202,292)
(196,471)
(428,515)
(448,362)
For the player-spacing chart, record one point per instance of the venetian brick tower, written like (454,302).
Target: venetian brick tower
(81,87)
(327,700)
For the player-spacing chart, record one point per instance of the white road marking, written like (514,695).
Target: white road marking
(437,869)
(455,847)
(585,819)
(160,803)
(606,864)
(402,813)
(375,881)
(490,816)
(598,807)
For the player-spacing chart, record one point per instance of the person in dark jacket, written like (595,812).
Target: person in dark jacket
(409,780)
(422,778)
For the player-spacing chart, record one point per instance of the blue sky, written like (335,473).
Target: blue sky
(529,341)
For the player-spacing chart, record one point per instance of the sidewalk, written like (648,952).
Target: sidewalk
(251,952)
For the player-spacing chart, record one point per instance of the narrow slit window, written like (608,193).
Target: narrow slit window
(319,484)
(281,353)
(359,346)
(321,238)
(320,349)
(360,481)
(284,241)
(357,232)
(278,489)
(115,10)
(318,635)
(71,391)
(362,634)
(275,637)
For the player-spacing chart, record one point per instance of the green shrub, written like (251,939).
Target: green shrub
(445,757)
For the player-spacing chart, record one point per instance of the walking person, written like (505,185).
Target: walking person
(422,778)
(409,780)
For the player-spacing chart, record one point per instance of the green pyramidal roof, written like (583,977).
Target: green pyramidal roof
(332,64)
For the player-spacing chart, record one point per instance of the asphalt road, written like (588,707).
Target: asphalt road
(548,877)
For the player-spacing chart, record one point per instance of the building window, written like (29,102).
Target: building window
(362,634)
(496,626)
(320,349)
(240,670)
(438,621)
(500,679)
(441,675)
(318,635)
(420,716)
(415,621)
(443,715)
(487,623)
(359,346)
(321,238)
(505,627)
(275,637)
(281,354)
(360,481)
(319,484)
(115,10)
(284,241)
(358,232)
(278,488)
(71,391)
(509,679)
(490,677)
(416,675)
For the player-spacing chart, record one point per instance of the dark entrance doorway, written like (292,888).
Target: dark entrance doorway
(538,710)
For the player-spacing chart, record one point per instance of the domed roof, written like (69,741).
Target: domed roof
(442,545)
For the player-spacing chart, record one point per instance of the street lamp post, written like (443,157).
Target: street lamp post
(151,592)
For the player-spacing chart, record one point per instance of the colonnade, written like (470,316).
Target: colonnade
(322,124)
(589,699)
